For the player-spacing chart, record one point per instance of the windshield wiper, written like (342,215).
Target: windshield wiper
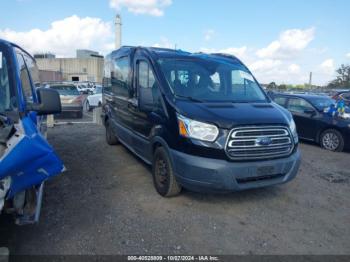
(190,98)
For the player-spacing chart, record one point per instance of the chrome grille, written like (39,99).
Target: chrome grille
(259,142)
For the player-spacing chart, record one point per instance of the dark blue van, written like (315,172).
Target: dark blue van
(26,159)
(202,121)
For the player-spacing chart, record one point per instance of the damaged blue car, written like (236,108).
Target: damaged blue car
(26,158)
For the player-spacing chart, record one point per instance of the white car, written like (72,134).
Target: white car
(84,88)
(94,100)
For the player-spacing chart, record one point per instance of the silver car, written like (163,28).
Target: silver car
(71,99)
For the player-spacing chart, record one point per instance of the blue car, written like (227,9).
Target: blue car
(317,120)
(26,158)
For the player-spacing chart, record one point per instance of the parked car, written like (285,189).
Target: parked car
(26,158)
(94,100)
(71,99)
(344,95)
(202,121)
(313,121)
(84,88)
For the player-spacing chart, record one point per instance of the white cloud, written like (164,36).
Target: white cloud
(264,65)
(289,44)
(164,43)
(348,55)
(149,7)
(327,67)
(274,70)
(269,70)
(208,35)
(236,51)
(65,36)
(294,69)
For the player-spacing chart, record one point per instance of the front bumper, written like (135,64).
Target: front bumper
(71,108)
(205,174)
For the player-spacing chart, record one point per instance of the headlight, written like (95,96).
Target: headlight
(293,129)
(197,130)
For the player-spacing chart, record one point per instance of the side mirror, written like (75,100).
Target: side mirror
(49,102)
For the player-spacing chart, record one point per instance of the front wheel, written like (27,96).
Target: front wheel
(164,179)
(111,139)
(332,140)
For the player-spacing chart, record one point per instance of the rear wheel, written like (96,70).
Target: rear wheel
(163,174)
(332,140)
(111,139)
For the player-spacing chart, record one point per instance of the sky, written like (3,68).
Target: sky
(280,41)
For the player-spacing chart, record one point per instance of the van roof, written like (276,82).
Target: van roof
(156,52)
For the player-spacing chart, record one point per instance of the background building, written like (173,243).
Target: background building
(44,55)
(87,68)
(83,53)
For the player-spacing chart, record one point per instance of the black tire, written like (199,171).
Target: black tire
(164,179)
(332,140)
(80,114)
(111,139)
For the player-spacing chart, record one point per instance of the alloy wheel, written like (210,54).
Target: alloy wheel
(330,141)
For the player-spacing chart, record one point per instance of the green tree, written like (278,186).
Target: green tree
(272,86)
(343,78)
(282,87)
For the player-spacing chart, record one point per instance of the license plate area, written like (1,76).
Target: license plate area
(265,171)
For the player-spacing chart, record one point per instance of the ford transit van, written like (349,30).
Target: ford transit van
(201,120)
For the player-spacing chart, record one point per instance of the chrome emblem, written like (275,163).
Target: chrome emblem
(264,141)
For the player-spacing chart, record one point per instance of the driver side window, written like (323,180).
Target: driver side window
(299,105)
(25,80)
(148,90)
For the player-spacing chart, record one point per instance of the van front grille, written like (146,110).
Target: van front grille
(259,142)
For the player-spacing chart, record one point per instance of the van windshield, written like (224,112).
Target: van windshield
(5,90)
(206,80)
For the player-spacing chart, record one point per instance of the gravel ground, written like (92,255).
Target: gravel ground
(106,204)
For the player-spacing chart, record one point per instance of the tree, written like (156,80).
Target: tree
(343,78)
(272,86)
(282,87)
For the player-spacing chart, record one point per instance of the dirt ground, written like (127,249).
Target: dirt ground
(106,204)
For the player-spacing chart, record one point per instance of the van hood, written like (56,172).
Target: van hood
(228,115)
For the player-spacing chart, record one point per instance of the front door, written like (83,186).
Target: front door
(305,116)
(145,106)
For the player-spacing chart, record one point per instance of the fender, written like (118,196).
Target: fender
(28,159)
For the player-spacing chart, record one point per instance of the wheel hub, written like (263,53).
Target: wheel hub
(330,141)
